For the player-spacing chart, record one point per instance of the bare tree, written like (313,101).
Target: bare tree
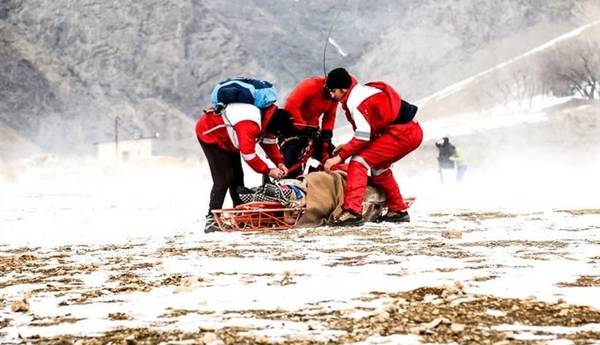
(574,66)
(517,84)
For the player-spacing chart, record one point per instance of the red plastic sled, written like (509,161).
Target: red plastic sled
(263,216)
(258,216)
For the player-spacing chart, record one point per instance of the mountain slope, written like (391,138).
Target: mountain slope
(442,42)
(509,82)
(70,70)
(14,145)
(67,69)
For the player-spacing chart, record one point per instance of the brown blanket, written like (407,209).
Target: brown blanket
(325,196)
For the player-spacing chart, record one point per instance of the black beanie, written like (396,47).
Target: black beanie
(338,78)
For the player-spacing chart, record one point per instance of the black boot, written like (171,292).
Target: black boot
(211,224)
(394,217)
(347,218)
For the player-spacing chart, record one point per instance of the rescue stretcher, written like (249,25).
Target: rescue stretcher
(263,216)
(258,216)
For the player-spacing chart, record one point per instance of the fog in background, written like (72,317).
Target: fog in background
(514,83)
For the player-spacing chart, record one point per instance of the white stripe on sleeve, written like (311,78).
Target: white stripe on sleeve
(358,94)
(249,156)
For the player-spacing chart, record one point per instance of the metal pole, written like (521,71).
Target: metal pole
(329,35)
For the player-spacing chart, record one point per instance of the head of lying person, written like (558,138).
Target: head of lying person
(281,123)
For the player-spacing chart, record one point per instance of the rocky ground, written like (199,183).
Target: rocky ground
(453,276)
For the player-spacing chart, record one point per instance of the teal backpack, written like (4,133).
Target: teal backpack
(243,90)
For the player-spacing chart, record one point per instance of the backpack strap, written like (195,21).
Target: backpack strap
(238,112)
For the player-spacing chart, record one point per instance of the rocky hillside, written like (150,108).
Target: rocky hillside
(20,146)
(68,68)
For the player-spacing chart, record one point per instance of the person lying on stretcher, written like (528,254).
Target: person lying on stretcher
(321,193)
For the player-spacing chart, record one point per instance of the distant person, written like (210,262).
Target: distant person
(228,132)
(461,166)
(384,132)
(313,111)
(450,158)
(445,151)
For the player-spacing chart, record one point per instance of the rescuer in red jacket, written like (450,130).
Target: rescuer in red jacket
(384,132)
(309,103)
(232,133)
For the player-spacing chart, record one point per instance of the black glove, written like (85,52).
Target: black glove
(326,146)
(311,133)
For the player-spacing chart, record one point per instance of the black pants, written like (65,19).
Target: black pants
(226,171)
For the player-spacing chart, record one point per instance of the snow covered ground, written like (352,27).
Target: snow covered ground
(95,254)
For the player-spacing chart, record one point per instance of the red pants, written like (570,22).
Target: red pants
(378,155)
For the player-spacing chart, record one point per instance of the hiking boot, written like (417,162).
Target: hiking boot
(347,218)
(394,217)
(211,225)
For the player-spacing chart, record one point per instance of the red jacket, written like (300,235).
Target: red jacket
(370,109)
(244,128)
(306,103)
